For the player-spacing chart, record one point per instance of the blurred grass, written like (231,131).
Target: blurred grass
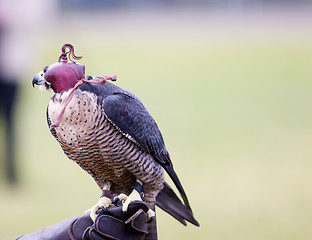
(236,120)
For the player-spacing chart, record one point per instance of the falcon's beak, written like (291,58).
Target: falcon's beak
(38,79)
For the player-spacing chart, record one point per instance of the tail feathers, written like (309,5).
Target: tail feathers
(168,201)
(178,184)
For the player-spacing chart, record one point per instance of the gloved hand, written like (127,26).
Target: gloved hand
(110,223)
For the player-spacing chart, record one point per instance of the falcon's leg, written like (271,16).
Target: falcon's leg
(105,201)
(137,194)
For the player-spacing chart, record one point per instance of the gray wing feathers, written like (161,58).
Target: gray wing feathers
(129,115)
(132,118)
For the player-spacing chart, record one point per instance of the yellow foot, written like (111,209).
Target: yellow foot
(134,196)
(104,201)
(150,215)
(126,200)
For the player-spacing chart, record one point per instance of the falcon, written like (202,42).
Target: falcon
(109,133)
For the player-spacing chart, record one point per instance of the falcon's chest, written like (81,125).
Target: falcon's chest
(80,116)
(90,139)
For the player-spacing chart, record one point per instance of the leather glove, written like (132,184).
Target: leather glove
(110,223)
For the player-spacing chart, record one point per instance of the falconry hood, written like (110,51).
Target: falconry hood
(64,74)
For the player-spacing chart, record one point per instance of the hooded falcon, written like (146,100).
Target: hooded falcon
(109,133)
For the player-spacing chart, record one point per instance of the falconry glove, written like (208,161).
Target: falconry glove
(110,223)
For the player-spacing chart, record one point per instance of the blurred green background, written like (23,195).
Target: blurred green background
(230,90)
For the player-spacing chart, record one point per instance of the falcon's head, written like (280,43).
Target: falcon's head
(63,75)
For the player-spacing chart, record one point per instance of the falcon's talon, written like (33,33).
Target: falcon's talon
(150,215)
(151,219)
(121,197)
(104,209)
(104,202)
(116,200)
(134,196)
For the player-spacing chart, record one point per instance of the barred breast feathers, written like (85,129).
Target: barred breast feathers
(80,112)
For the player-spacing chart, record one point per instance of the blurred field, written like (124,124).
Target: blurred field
(231,93)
